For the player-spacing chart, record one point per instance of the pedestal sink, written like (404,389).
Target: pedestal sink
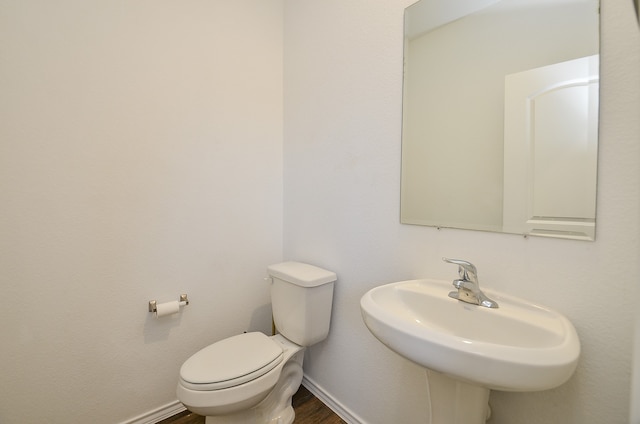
(469,349)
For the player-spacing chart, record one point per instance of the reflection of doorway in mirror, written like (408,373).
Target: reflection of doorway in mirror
(551,137)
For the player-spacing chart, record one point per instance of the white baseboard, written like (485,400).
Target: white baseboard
(333,404)
(159,414)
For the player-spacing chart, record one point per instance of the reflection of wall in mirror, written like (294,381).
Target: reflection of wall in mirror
(453,108)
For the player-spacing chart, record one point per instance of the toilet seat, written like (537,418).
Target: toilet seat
(231,362)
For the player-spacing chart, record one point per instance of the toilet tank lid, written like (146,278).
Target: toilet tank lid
(301,274)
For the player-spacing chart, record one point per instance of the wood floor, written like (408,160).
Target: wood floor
(309,410)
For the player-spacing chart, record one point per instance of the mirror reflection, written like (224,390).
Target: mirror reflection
(500,116)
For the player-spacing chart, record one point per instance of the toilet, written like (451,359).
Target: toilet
(250,378)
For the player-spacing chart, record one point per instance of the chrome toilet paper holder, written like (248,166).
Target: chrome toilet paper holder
(153,305)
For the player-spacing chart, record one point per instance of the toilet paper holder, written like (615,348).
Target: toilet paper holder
(153,304)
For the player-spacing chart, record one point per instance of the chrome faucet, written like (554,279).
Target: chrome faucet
(468,285)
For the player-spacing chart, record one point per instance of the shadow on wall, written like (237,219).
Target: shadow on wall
(158,329)
(261,319)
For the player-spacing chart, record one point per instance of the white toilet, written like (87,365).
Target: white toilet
(250,378)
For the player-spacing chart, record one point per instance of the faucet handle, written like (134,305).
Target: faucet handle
(466,270)
(468,286)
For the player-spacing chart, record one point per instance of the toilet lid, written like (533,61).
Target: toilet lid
(231,362)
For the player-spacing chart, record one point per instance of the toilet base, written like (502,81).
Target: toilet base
(276,407)
(252,417)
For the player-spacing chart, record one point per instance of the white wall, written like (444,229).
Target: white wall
(343,84)
(140,158)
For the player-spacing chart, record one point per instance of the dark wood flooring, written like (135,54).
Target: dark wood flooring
(309,410)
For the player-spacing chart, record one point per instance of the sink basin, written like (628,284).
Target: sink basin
(519,346)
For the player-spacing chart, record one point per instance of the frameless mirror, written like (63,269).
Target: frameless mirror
(500,116)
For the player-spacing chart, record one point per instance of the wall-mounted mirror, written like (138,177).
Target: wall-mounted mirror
(500,116)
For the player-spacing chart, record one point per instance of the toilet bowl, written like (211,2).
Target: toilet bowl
(250,378)
(244,399)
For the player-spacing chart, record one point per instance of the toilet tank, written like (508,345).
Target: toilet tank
(301,300)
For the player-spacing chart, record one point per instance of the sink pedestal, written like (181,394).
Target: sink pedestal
(517,347)
(455,402)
